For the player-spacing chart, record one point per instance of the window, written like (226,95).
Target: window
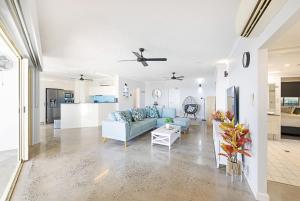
(290,101)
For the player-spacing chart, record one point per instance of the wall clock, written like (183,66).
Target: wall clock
(246,59)
(156,93)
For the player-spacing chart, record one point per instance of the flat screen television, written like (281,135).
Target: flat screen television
(233,102)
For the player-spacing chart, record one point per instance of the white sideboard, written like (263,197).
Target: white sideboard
(85,114)
(217,137)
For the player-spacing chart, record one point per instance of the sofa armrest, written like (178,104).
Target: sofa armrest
(115,130)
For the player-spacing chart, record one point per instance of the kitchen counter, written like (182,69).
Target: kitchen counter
(80,115)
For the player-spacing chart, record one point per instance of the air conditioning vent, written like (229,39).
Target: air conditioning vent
(255,16)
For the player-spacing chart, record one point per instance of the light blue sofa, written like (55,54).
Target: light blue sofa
(117,130)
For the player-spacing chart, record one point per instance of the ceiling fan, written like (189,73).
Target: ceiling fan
(82,78)
(173,77)
(142,59)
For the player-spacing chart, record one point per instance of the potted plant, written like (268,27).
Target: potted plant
(218,116)
(221,116)
(235,137)
(168,122)
(229,115)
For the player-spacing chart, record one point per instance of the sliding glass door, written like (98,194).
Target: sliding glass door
(13,114)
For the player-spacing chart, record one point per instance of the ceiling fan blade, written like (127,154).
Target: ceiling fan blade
(155,59)
(137,55)
(124,60)
(144,63)
(180,77)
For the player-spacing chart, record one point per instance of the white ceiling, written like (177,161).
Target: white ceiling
(284,55)
(90,37)
(286,63)
(288,39)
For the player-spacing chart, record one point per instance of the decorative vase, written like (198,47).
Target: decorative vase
(234,168)
(168,126)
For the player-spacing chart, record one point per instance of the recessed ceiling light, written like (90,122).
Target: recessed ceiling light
(223,61)
(287,65)
(200,80)
(274,72)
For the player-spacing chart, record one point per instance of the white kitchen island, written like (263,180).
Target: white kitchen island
(80,115)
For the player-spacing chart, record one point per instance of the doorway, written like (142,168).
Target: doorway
(283,73)
(13,115)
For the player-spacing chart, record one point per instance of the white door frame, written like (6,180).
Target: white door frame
(23,114)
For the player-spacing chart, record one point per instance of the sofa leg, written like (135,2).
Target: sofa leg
(103,139)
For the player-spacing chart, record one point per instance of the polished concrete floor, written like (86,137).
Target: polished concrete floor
(8,165)
(73,164)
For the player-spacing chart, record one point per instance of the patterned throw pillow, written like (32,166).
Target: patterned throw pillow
(128,115)
(144,111)
(137,114)
(152,112)
(122,116)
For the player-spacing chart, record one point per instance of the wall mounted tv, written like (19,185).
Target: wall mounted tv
(233,102)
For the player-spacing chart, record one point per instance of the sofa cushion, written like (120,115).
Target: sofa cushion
(137,114)
(160,122)
(181,121)
(128,115)
(168,112)
(140,127)
(123,116)
(144,111)
(152,112)
(160,110)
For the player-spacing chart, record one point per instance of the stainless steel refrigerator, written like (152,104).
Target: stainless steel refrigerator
(54,99)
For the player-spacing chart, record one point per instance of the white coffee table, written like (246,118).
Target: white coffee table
(165,136)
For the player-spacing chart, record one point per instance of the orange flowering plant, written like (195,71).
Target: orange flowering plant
(235,137)
(229,115)
(218,116)
(221,116)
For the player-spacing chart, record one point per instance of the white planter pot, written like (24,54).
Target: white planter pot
(168,126)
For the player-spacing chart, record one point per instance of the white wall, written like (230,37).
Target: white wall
(128,102)
(9,107)
(222,84)
(49,82)
(187,87)
(81,91)
(253,86)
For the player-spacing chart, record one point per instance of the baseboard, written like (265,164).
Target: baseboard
(258,196)
(262,196)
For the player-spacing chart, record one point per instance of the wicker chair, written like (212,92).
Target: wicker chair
(190,107)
